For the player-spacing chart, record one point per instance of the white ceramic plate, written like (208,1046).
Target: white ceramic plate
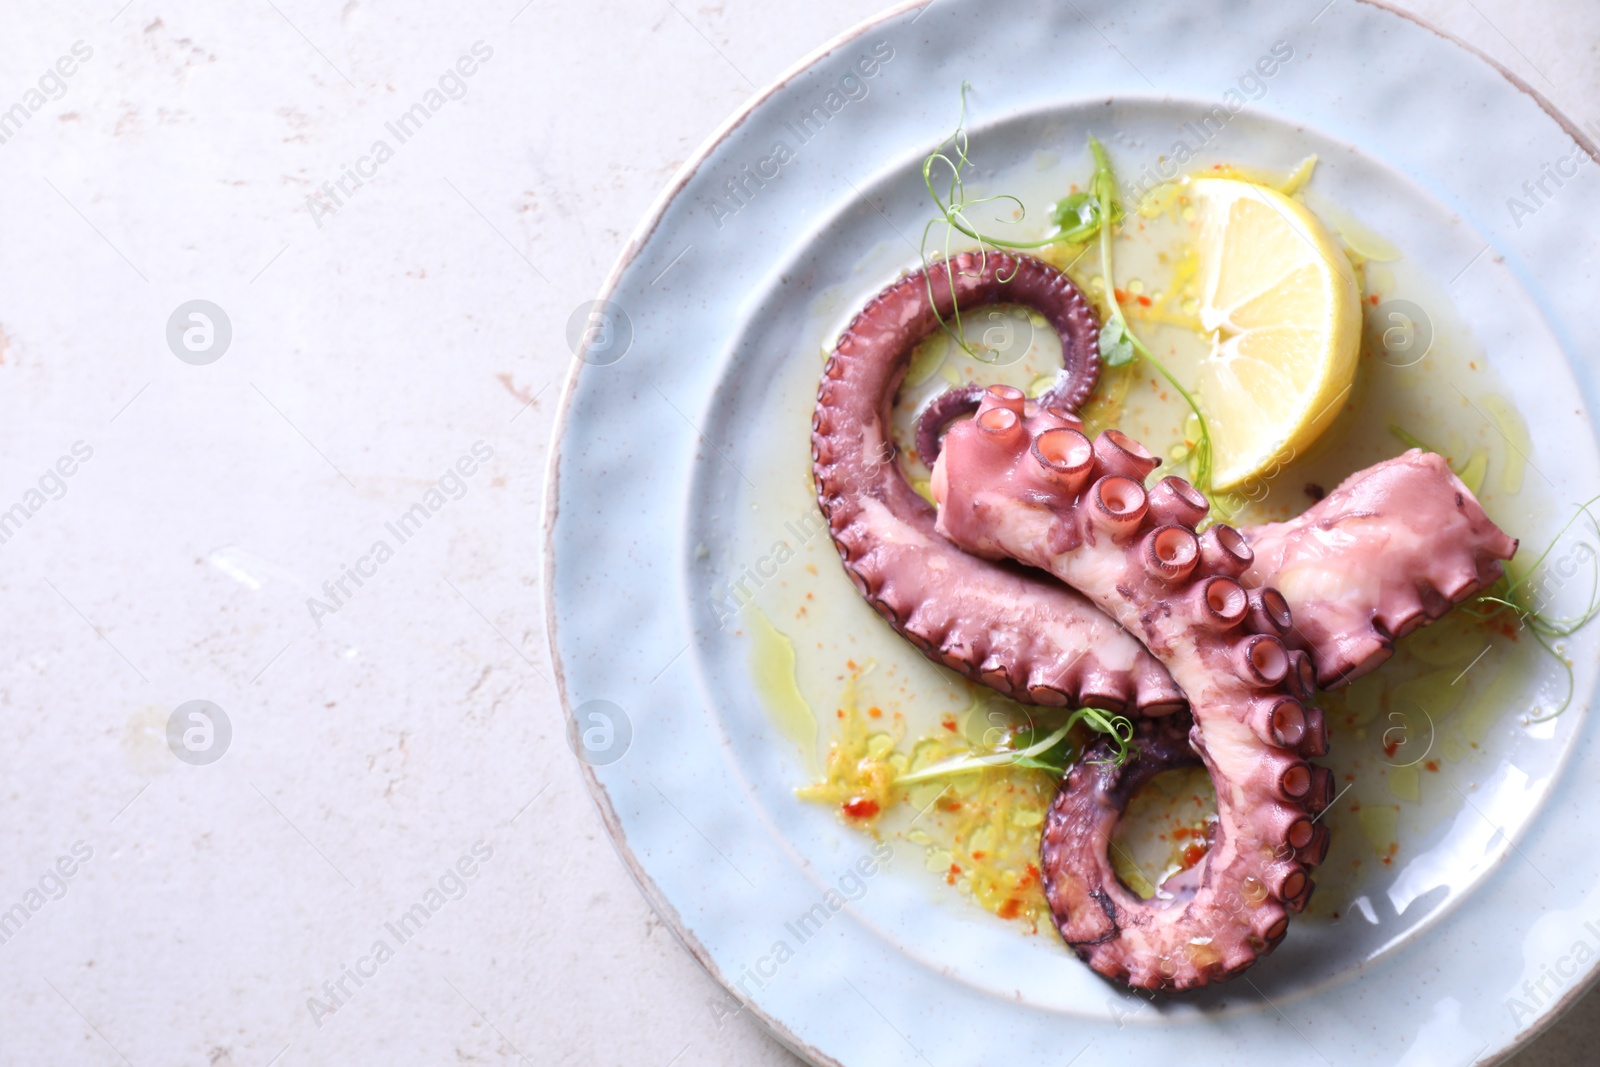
(680,465)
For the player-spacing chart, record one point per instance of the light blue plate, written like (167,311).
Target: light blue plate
(680,458)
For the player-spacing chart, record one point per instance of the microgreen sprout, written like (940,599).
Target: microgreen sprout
(951,154)
(1118,343)
(1510,594)
(1053,752)
(1081,218)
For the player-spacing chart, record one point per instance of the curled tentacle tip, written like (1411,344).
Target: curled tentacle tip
(947,407)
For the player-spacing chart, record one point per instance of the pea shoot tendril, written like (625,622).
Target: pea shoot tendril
(1052,752)
(1514,595)
(1093,216)
(1079,219)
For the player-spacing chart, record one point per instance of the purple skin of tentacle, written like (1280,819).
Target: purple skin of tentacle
(942,410)
(1021,485)
(1013,630)
(1393,548)
(1042,644)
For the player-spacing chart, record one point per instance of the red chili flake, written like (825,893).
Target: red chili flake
(1193,855)
(1374,299)
(1030,874)
(875,711)
(1432,765)
(860,807)
(950,877)
(1122,297)
(1390,748)
(841,713)
(1144,301)
(1010,909)
(979,854)
(948,724)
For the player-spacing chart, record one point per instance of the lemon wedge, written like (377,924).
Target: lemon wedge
(1280,301)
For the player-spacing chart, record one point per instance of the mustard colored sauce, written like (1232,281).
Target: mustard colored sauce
(979,832)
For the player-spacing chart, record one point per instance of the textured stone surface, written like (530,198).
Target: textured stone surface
(372,346)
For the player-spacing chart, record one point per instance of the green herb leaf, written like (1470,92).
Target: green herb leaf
(978,761)
(1116,347)
(1079,217)
(1052,752)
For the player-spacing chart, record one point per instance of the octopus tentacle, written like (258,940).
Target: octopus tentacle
(1392,548)
(1026,487)
(1023,634)
(1406,530)
(942,410)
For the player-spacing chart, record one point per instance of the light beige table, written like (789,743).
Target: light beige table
(381,730)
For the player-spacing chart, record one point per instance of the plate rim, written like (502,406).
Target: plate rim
(631,250)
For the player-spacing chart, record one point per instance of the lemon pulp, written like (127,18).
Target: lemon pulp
(1280,301)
